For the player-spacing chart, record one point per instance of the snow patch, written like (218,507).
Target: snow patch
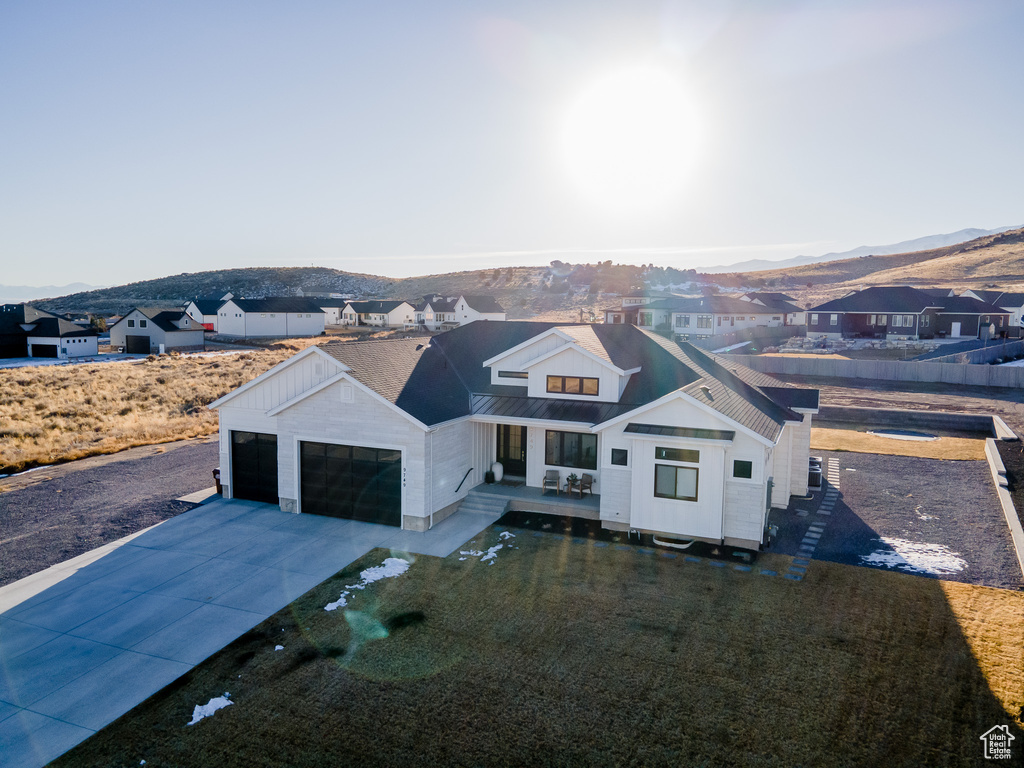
(916,557)
(492,554)
(205,710)
(390,568)
(278,647)
(505,535)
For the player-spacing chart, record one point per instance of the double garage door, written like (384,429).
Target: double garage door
(353,482)
(348,481)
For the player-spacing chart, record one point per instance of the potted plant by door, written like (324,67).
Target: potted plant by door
(572,481)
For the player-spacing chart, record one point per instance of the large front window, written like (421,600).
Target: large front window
(577,450)
(704,321)
(572,385)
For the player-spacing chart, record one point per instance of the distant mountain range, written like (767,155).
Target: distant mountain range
(15,294)
(927,243)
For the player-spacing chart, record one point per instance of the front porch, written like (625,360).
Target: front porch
(523,498)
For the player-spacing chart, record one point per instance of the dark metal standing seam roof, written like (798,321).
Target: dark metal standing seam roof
(277,304)
(547,409)
(691,432)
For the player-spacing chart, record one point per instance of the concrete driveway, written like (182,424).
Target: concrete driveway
(84,642)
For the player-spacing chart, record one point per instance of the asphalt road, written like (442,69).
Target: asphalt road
(53,514)
(926,517)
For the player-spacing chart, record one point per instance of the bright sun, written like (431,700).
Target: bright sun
(629,138)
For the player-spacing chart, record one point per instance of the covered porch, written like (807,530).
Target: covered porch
(523,498)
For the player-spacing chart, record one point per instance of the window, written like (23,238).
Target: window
(925,321)
(570,449)
(814,318)
(620,457)
(743,469)
(646,318)
(131,323)
(872,319)
(682,321)
(142,323)
(677,454)
(833,320)
(572,385)
(683,336)
(897,321)
(703,321)
(675,482)
(513,375)
(719,321)
(883,319)
(984,319)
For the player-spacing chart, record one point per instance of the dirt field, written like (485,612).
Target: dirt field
(953,448)
(1002,401)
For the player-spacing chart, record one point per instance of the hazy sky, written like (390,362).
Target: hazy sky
(142,139)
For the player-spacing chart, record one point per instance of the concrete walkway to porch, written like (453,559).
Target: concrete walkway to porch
(85,641)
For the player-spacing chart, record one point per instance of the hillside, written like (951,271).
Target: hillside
(996,260)
(253,282)
(573,292)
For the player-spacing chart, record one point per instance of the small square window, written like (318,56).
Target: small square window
(620,457)
(743,469)
(131,323)
(142,323)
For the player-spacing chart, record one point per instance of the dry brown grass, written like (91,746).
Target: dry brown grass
(954,448)
(61,413)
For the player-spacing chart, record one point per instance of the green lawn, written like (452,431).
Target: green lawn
(569,654)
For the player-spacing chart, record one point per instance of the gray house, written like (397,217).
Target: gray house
(146,330)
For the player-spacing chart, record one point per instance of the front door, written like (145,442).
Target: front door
(512,449)
(955,331)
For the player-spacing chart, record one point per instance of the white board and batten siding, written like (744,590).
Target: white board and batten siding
(346,415)
(452,450)
(726,507)
(519,358)
(572,362)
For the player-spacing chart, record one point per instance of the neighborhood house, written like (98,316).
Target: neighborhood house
(29,332)
(143,330)
(270,318)
(902,312)
(669,439)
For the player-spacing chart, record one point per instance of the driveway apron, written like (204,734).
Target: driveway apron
(85,641)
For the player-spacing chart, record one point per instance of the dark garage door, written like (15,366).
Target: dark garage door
(136,345)
(352,482)
(44,350)
(254,466)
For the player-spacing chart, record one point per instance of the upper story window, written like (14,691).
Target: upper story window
(131,323)
(142,323)
(573,385)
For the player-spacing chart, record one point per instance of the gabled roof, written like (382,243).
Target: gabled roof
(277,304)
(440,304)
(374,307)
(208,306)
(327,301)
(444,378)
(58,327)
(164,318)
(967,305)
(483,304)
(882,299)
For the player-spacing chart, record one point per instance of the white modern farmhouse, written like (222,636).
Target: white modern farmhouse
(668,439)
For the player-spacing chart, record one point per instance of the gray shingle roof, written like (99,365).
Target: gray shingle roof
(208,306)
(483,303)
(882,299)
(374,307)
(444,378)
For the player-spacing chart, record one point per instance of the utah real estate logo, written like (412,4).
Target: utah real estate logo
(997,742)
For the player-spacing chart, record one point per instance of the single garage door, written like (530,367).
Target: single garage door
(254,466)
(352,482)
(136,345)
(44,350)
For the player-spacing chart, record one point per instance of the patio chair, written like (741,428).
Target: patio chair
(550,480)
(586,484)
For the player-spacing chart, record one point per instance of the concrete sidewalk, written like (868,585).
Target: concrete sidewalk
(84,642)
